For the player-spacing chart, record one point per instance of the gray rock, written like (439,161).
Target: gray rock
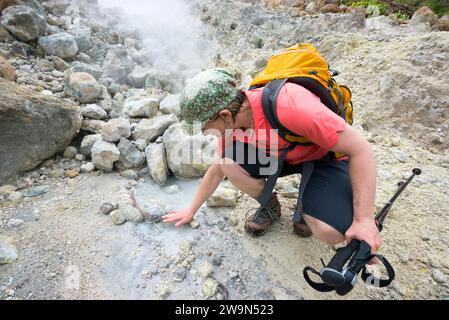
(94,111)
(138,77)
(8,253)
(130,156)
(14,223)
(205,270)
(60,64)
(116,129)
(180,274)
(156,162)
(223,197)
(93,126)
(194,224)
(400,155)
(62,45)
(87,143)
(188,156)
(424,15)
(151,129)
(147,107)
(85,58)
(117,217)
(92,69)
(37,191)
(131,213)
(171,104)
(15,196)
(118,64)
(83,38)
(161,80)
(34,127)
(108,207)
(82,87)
(104,154)
(130,175)
(87,168)
(56,7)
(70,152)
(23,22)
(439,276)
(141,144)
(151,209)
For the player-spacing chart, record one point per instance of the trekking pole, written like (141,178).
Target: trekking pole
(336,277)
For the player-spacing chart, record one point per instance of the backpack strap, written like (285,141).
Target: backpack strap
(269,106)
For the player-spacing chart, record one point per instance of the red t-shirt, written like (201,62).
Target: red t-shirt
(301,112)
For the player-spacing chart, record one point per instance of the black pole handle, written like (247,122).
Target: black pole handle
(343,255)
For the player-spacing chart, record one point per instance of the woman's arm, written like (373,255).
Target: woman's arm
(209,184)
(362,172)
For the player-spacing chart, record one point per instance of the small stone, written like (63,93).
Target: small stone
(14,223)
(233,220)
(172,189)
(80,157)
(94,111)
(37,191)
(194,224)
(180,274)
(8,253)
(130,175)
(210,288)
(117,217)
(400,155)
(131,213)
(217,260)
(404,258)
(71,173)
(116,129)
(205,270)
(108,207)
(15,196)
(163,291)
(88,167)
(70,152)
(223,197)
(7,189)
(439,276)
(141,144)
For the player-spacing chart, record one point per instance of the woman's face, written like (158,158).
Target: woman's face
(218,126)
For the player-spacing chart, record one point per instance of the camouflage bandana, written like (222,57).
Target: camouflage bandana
(206,95)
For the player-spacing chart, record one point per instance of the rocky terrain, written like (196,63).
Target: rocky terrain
(89,115)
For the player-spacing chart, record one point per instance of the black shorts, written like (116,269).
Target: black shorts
(328,194)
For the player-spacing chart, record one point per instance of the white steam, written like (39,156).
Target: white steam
(171,33)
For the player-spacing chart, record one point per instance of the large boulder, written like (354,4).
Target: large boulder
(188,156)
(424,15)
(88,142)
(104,154)
(82,86)
(151,129)
(34,127)
(83,38)
(141,107)
(138,77)
(6,70)
(157,162)
(130,156)
(118,64)
(442,24)
(56,7)
(171,104)
(23,22)
(62,45)
(116,129)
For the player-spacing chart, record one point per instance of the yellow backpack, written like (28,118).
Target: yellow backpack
(303,65)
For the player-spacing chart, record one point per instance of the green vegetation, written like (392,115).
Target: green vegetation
(373,7)
(402,15)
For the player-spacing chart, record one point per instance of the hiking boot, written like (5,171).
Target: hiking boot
(260,222)
(302,229)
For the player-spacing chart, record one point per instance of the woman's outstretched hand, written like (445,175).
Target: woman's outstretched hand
(181,217)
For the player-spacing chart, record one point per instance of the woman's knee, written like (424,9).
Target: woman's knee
(323,231)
